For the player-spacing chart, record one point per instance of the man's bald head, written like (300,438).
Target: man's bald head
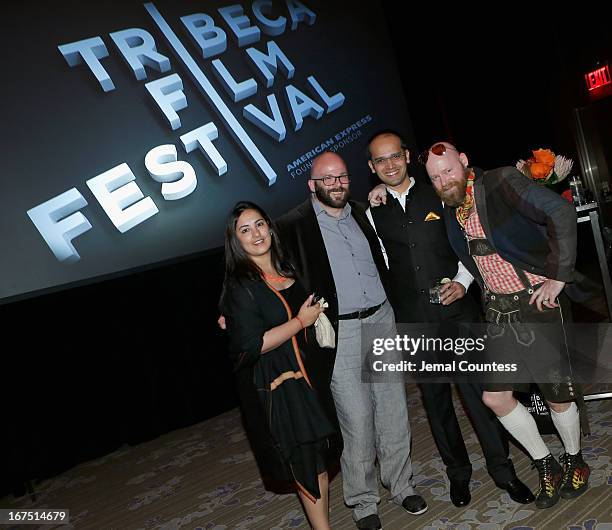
(326,163)
(448,170)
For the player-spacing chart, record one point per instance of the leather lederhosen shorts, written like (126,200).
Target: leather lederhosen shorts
(536,340)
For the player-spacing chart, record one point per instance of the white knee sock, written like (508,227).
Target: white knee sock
(520,424)
(568,426)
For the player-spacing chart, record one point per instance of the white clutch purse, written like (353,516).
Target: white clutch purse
(324,331)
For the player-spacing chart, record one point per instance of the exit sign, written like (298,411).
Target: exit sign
(598,78)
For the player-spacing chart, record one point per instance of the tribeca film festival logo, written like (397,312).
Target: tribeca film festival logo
(414,346)
(59,220)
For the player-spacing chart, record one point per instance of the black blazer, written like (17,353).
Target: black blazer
(529,225)
(301,238)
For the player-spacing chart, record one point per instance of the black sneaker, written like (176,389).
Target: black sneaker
(575,476)
(414,504)
(371,522)
(551,474)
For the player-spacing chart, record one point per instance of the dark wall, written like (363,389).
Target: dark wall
(500,87)
(116,362)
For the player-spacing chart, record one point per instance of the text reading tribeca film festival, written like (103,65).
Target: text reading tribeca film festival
(59,220)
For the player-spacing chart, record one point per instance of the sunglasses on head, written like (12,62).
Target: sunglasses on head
(437,149)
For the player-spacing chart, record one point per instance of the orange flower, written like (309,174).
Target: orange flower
(544,156)
(540,171)
(545,167)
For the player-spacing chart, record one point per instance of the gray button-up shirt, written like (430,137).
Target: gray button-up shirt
(358,284)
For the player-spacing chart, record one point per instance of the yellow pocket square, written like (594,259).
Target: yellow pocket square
(431,216)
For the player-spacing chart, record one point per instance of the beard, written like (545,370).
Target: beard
(453,194)
(324,195)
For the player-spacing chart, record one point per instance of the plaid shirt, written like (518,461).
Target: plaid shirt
(498,275)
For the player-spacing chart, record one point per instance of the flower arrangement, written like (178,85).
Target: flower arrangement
(545,167)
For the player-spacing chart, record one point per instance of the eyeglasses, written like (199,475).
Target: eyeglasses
(436,149)
(330,180)
(382,160)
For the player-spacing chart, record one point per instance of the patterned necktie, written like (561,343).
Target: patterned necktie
(464,211)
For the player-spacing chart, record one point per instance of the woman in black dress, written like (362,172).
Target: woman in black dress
(269,317)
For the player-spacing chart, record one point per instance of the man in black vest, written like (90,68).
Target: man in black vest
(412,232)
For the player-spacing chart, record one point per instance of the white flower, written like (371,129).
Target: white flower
(563,166)
(520,165)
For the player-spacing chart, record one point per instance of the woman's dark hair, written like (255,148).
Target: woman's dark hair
(238,264)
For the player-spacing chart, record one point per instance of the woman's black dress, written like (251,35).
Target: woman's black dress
(287,427)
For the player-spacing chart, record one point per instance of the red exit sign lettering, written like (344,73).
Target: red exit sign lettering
(598,78)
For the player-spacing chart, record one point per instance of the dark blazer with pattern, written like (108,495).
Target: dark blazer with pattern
(529,225)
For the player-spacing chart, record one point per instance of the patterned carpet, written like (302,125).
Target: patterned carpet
(204,477)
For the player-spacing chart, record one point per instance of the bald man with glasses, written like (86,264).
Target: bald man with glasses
(337,255)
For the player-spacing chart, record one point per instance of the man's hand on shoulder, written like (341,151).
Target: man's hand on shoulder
(378,196)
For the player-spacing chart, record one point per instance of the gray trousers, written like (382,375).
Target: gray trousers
(374,422)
